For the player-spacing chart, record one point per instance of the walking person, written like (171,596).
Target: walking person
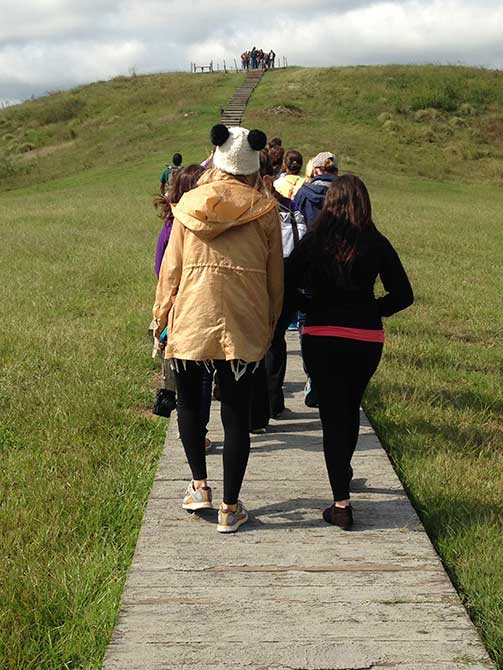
(289,183)
(309,199)
(293,229)
(339,262)
(220,292)
(170,170)
(181,181)
(276,154)
(310,196)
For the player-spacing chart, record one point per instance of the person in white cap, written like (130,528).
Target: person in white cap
(311,195)
(220,293)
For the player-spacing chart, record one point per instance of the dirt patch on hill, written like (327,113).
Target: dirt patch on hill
(284,110)
(46,151)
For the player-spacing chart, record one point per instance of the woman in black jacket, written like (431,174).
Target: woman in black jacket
(330,276)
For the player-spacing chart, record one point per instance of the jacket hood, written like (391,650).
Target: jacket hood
(315,191)
(222,203)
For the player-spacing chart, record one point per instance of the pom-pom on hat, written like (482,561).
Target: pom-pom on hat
(237,149)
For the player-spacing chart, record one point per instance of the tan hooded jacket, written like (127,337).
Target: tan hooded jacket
(220,288)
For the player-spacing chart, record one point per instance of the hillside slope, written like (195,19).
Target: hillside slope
(110,124)
(430,121)
(78,444)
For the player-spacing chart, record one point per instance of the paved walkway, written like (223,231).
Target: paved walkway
(289,592)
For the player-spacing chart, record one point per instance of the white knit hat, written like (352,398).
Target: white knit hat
(237,149)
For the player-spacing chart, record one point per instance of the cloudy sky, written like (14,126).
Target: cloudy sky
(52,44)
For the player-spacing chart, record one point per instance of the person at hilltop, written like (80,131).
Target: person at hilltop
(245,60)
(253,58)
(289,183)
(311,195)
(271,59)
(176,164)
(224,253)
(339,262)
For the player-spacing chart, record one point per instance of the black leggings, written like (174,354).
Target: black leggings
(340,370)
(275,362)
(235,408)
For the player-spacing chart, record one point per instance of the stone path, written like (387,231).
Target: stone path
(289,592)
(234,111)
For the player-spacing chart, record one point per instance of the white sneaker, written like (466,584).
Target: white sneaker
(229,522)
(197,498)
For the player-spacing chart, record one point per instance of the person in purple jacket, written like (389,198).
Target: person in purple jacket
(182,181)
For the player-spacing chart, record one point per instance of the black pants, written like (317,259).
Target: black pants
(234,408)
(259,405)
(275,362)
(340,369)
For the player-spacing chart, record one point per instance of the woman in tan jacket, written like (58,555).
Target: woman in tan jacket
(220,294)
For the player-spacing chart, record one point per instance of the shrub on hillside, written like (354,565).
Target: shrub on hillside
(61,109)
(38,137)
(384,116)
(467,110)
(8,167)
(55,108)
(391,126)
(26,147)
(444,98)
(457,122)
(426,135)
(426,115)
(491,130)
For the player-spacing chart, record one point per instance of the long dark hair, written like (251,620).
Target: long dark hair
(276,155)
(344,227)
(180,182)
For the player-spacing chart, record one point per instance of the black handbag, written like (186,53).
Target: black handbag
(165,403)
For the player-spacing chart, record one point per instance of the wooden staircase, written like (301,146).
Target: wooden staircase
(233,113)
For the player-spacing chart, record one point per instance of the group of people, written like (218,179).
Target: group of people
(258,59)
(247,243)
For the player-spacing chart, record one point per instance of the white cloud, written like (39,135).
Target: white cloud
(49,63)
(48,44)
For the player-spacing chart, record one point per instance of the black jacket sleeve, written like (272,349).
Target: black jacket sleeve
(399,293)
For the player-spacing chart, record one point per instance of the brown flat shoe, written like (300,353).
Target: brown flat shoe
(339,516)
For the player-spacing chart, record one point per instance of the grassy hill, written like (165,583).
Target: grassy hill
(430,121)
(111,124)
(78,446)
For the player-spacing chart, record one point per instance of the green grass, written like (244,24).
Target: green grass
(109,125)
(375,120)
(78,446)
(437,399)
